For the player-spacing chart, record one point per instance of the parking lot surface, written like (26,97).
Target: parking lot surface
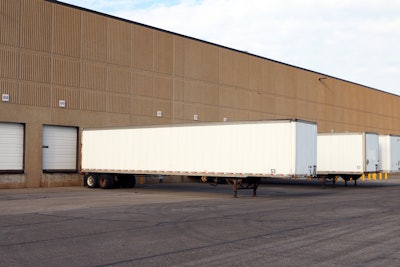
(289,223)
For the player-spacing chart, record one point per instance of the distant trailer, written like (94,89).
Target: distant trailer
(236,151)
(348,155)
(389,153)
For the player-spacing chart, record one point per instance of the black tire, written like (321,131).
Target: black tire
(127,180)
(91,180)
(106,181)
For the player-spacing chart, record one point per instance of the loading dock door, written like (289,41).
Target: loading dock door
(59,149)
(11,147)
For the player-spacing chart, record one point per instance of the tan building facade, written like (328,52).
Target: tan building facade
(71,67)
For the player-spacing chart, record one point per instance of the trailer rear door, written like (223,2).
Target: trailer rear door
(371,152)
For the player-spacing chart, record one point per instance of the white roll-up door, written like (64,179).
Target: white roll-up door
(59,148)
(11,147)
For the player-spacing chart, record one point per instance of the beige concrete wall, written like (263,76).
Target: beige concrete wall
(114,73)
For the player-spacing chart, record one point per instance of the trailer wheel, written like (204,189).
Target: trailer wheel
(106,181)
(92,180)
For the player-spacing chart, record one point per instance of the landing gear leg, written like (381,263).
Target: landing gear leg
(255,186)
(235,183)
(247,183)
(235,188)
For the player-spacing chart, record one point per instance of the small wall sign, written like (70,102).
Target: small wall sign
(5,97)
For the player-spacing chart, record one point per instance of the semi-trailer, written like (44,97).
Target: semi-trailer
(235,151)
(389,154)
(347,155)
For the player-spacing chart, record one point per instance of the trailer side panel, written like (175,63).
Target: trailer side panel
(228,149)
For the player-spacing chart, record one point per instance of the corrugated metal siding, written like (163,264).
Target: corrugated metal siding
(35,67)
(94,37)
(119,103)
(193,59)
(119,42)
(143,48)
(179,56)
(163,87)
(66,71)
(209,71)
(143,106)
(70,95)
(66,31)
(226,70)
(35,94)
(241,67)
(10,22)
(119,80)
(163,56)
(36,25)
(9,62)
(101,55)
(142,83)
(93,100)
(93,76)
(10,88)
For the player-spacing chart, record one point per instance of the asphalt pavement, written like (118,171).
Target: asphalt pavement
(289,223)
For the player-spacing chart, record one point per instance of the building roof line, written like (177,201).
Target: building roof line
(213,44)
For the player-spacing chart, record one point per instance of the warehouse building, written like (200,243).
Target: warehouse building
(65,68)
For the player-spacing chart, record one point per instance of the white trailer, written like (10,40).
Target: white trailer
(347,155)
(389,153)
(237,150)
